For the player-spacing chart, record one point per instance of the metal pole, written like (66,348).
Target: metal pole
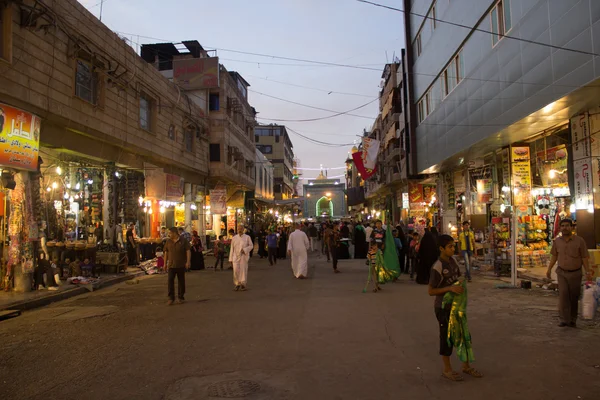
(101,7)
(513,258)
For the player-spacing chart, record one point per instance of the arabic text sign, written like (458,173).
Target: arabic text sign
(218,201)
(196,73)
(582,170)
(19,138)
(521,175)
(174,187)
(580,137)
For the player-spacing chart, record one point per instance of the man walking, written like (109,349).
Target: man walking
(298,246)
(178,257)
(241,246)
(571,253)
(326,245)
(312,233)
(272,247)
(368,232)
(466,240)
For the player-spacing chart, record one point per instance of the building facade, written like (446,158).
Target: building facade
(263,175)
(274,142)
(103,137)
(485,101)
(324,198)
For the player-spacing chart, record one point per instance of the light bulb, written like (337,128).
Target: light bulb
(48,189)
(90,181)
(162,209)
(78,186)
(68,186)
(66,196)
(552,173)
(58,170)
(76,197)
(145,209)
(502,207)
(54,185)
(464,198)
(149,211)
(71,199)
(117,174)
(572,208)
(141,200)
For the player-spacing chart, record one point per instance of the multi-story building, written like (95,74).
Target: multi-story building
(224,96)
(263,173)
(274,142)
(514,84)
(107,121)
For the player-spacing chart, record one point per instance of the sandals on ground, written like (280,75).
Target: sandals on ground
(473,372)
(453,376)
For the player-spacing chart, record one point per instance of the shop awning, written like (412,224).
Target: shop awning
(236,200)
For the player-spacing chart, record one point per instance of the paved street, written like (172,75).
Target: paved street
(315,339)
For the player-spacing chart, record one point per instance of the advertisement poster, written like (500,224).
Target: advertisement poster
(428,193)
(415,196)
(484,190)
(582,171)
(196,73)
(19,138)
(553,167)
(174,189)
(580,137)
(154,181)
(218,201)
(231,220)
(521,175)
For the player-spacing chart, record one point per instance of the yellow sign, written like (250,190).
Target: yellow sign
(521,175)
(19,138)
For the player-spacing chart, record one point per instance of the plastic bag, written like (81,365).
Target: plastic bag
(589,302)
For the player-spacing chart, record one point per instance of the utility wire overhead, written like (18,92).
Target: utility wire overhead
(474,28)
(309,106)
(311,88)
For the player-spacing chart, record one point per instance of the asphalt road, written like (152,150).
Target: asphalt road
(320,338)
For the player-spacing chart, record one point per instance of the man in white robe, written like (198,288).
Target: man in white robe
(241,245)
(298,245)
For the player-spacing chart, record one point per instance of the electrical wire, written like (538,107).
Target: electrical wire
(311,88)
(321,118)
(474,28)
(309,106)
(318,142)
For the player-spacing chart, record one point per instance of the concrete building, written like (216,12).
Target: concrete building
(324,198)
(274,142)
(263,173)
(100,104)
(478,92)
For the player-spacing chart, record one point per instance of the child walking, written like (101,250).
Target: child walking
(444,274)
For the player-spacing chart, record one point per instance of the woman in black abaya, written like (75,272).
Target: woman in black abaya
(428,254)
(281,253)
(360,242)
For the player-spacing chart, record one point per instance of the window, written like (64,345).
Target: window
(424,106)
(453,75)
(146,109)
(86,82)
(215,152)
(501,20)
(6,32)
(213,102)
(418,44)
(242,89)
(432,18)
(188,140)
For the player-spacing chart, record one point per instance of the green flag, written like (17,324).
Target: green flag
(390,255)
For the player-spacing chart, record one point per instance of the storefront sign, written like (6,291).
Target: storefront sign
(484,190)
(553,167)
(19,138)
(521,175)
(196,73)
(155,181)
(174,187)
(405,201)
(580,137)
(505,167)
(218,201)
(582,170)
(428,193)
(415,196)
(231,220)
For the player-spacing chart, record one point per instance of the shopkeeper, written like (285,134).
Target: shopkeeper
(571,253)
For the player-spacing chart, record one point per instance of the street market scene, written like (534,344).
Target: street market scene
(382,200)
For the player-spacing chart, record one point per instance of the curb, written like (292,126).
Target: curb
(76,291)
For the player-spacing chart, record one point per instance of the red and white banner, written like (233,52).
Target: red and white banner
(370,149)
(365,173)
